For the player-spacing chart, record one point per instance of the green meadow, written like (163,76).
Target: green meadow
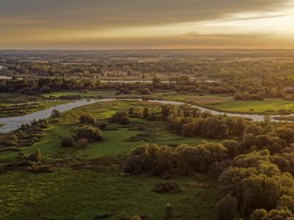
(88,182)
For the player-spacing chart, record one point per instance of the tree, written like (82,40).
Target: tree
(258,214)
(226,208)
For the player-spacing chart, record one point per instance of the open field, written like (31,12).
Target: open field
(271,106)
(59,194)
(83,194)
(119,139)
(221,102)
(17,104)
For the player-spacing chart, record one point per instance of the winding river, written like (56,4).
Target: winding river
(12,123)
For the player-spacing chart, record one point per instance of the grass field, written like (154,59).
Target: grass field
(88,93)
(84,192)
(117,141)
(221,102)
(271,106)
(23,107)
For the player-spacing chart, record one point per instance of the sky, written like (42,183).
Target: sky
(146,24)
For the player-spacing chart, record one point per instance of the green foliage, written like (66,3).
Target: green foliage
(161,160)
(67,141)
(282,213)
(167,187)
(90,133)
(149,158)
(87,119)
(120,117)
(256,182)
(226,208)
(58,193)
(199,158)
(37,155)
(135,112)
(190,122)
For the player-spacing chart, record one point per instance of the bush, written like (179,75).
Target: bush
(90,133)
(136,217)
(135,112)
(102,124)
(146,91)
(83,142)
(42,169)
(55,113)
(67,141)
(37,155)
(169,212)
(150,158)
(167,187)
(135,165)
(146,113)
(121,117)
(87,119)
(226,208)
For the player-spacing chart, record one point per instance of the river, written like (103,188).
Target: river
(12,123)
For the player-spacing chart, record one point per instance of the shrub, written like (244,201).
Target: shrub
(87,119)
(42,169)
(90,133)
(167,187)
(37,155)
(67,141)
(226,208)
(146,91)
(135,165)
(135,112)
(10,143)
(55,113)
(120,117)
(102,124)
(150,158)
(169,212)
(136,217)
(83,142)
(146,113)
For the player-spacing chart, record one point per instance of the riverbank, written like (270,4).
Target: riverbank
(13,123)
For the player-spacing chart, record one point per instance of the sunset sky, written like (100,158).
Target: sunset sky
(146,24)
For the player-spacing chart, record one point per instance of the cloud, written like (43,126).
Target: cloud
(117,13)
(228,36)
(96,24)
